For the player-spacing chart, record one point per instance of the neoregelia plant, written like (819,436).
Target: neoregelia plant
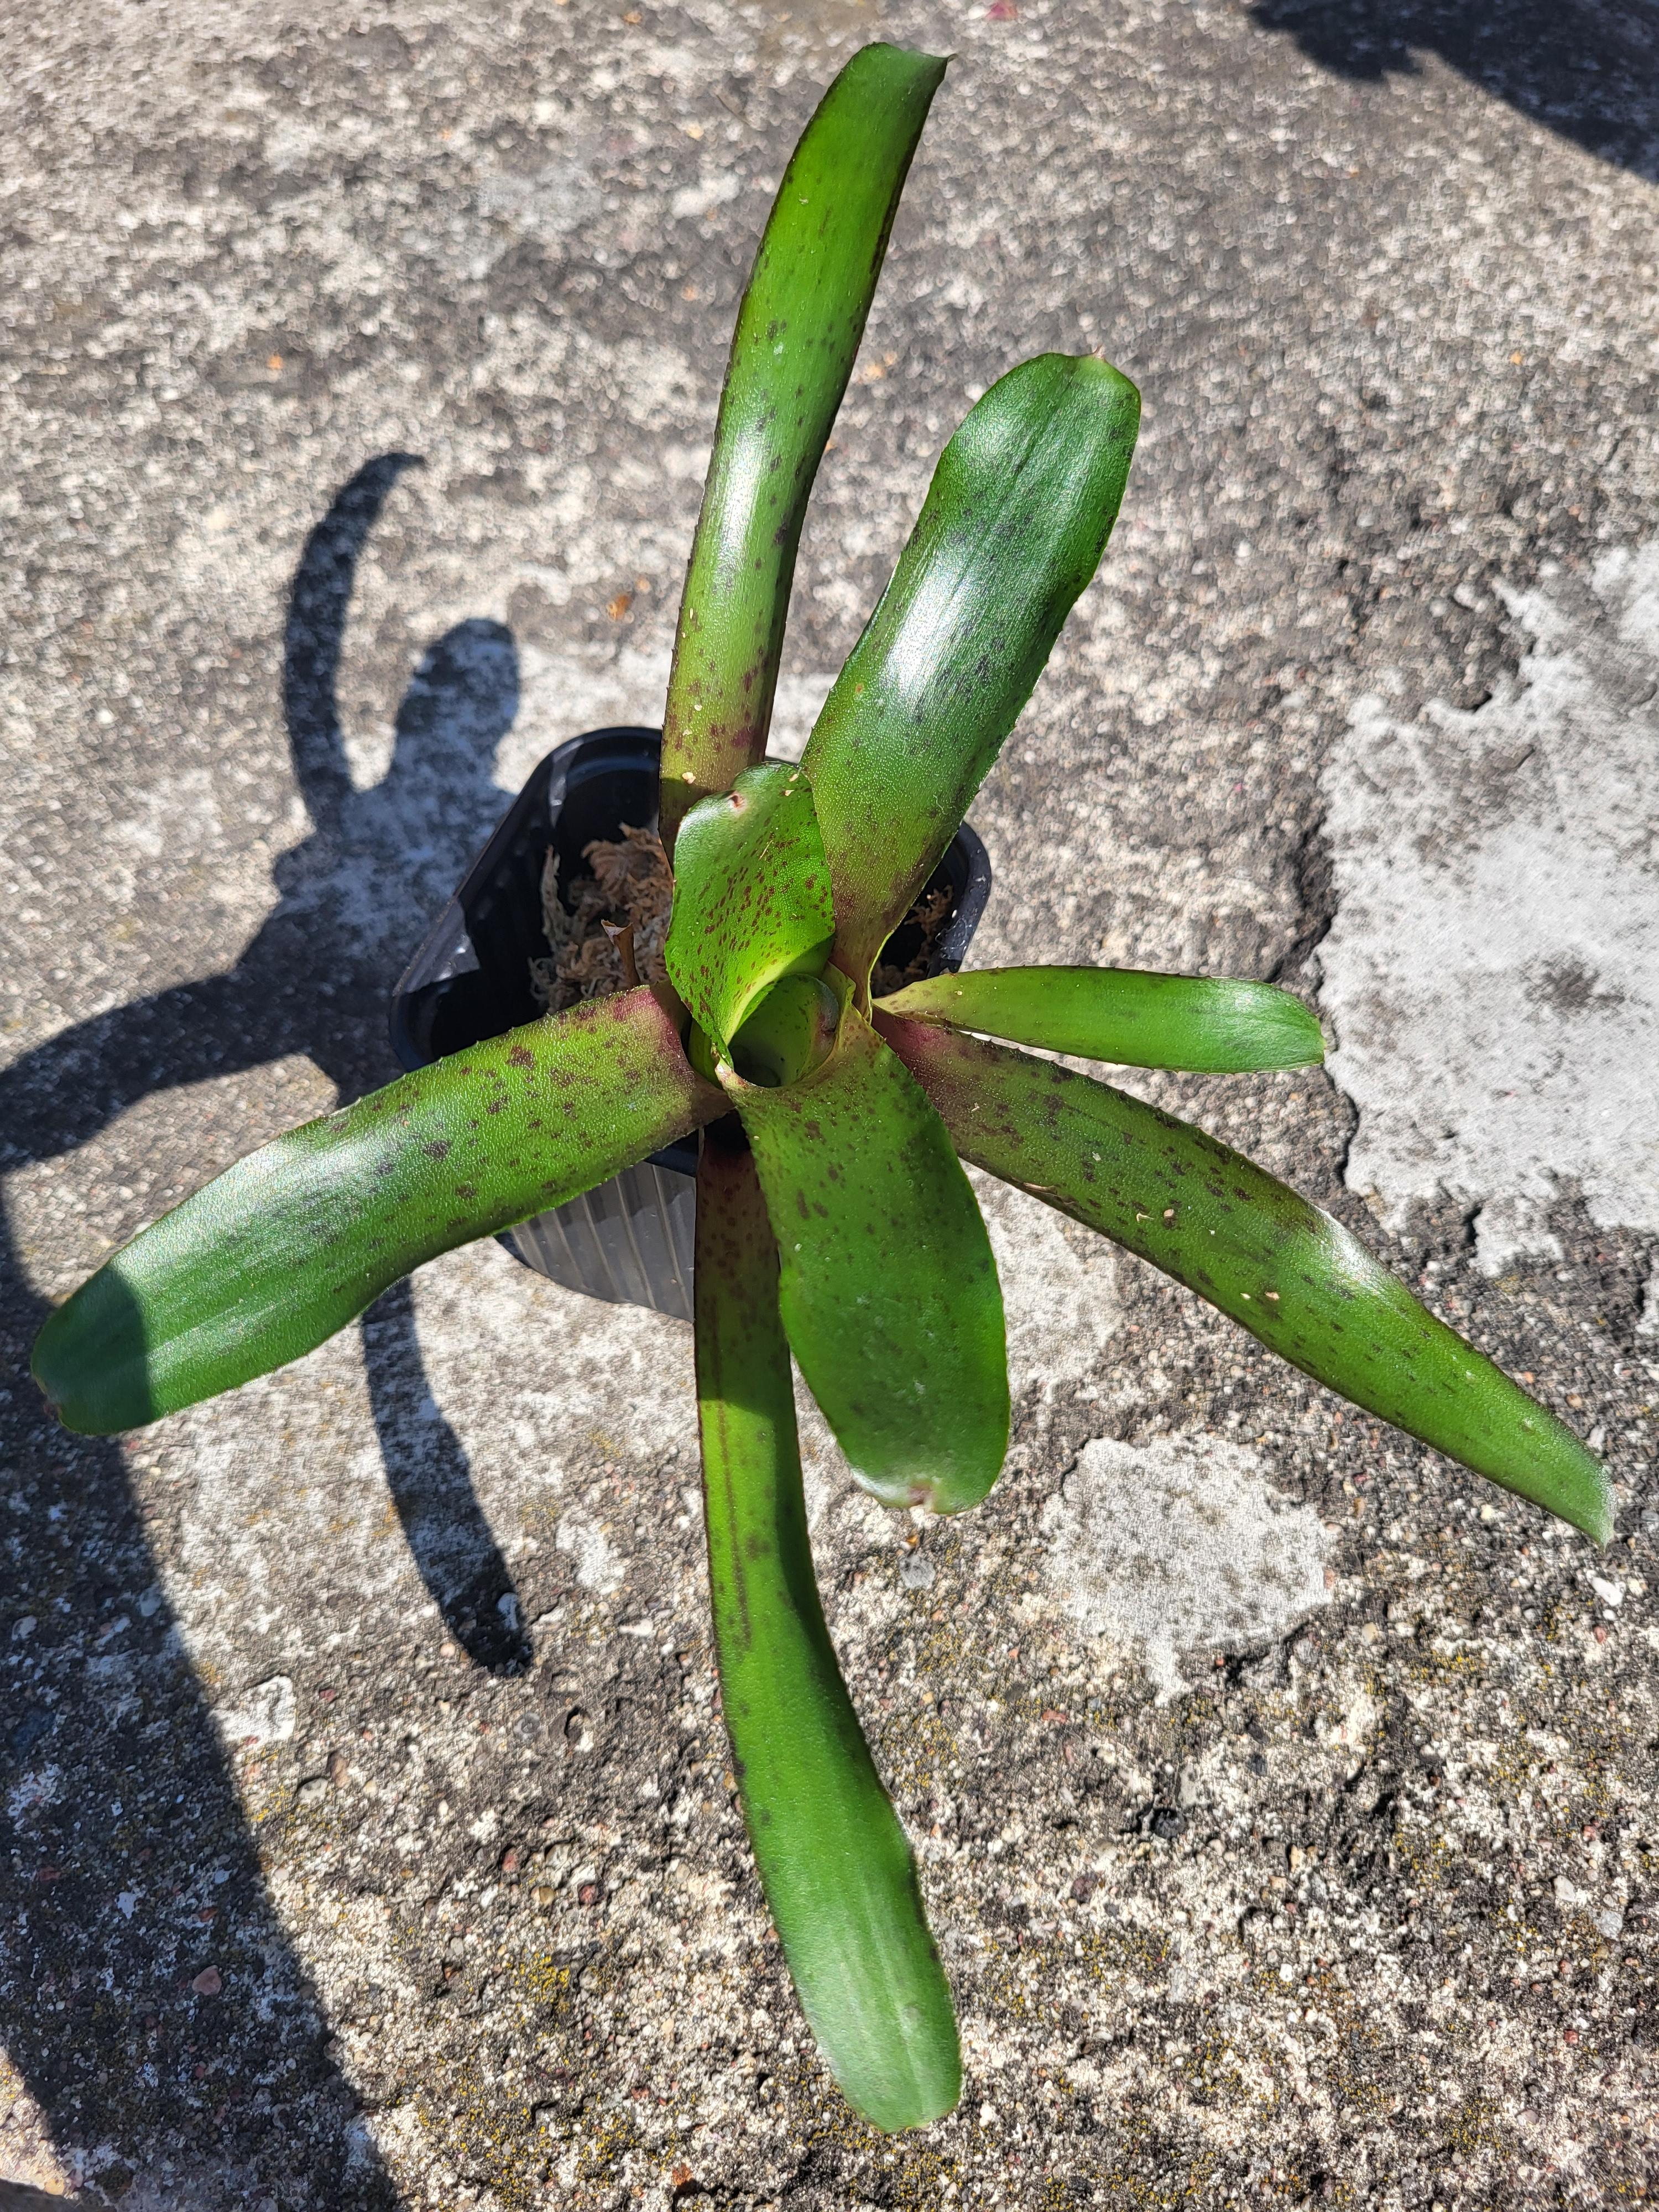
(834,1219)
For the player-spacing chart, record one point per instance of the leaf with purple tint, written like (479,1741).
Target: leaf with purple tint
(1209,1023)
(294,1241)
(798,335)
(1292,1275)
(834,1863)
(889,1291)
(1013,527)
(751,897)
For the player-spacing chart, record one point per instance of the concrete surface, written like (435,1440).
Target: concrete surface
(1493,971)
(333,1880)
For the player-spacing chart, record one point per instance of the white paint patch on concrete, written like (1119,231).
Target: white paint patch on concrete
(264,1713)
(597,1566)
(547,205)
(1180,1545)
(1492,972)
(34,1791)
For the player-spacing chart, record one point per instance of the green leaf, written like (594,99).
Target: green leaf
(1013,527)
(837,1873)
(295,1240)
(797,336)
(751,897)
(791,1032)
(1211,1024)
(890,1293)
(1251,1246)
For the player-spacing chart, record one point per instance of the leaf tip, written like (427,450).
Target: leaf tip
(1597,1522)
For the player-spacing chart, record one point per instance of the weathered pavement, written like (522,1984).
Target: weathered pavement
(1285,1800)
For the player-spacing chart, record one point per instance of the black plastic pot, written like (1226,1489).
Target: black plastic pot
(630,1241)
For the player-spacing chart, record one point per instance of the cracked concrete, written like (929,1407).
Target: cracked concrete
(1493,971)
(330,1879)
(1181,1546)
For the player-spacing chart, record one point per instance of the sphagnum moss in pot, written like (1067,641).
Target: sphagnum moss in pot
(833,1217)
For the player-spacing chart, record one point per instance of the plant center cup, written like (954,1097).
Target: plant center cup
(630,1241)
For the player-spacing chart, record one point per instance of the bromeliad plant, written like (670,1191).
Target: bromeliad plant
(834,1220)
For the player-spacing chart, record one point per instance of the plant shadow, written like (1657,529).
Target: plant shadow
(1586,70)
(134,1870)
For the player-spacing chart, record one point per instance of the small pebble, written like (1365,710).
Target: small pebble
(338,1772)
(207,1984)
(311,1789)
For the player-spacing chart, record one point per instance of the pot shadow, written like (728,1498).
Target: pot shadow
(136,1874)
(1574,66)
